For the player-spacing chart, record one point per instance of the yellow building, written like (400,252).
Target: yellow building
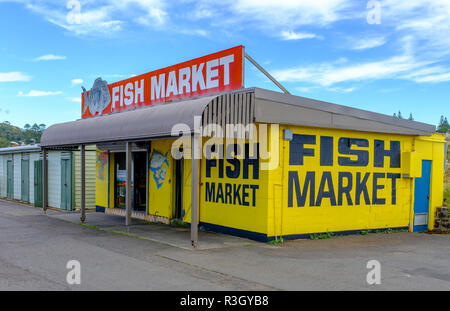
(301,167)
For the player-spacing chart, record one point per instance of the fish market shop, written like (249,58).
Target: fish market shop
(191,143)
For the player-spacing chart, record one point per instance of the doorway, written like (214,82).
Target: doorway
(422,198)
(25,180)
(138,181)
(66,184)
(9,180)
(178,190)
(38,186)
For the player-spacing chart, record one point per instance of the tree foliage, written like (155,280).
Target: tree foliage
(443,126)
(10,133)
(400,116)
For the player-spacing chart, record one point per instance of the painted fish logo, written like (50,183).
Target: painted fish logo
(102,160)
(98,98)
(157,162)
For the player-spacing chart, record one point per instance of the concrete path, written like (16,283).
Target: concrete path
(34,251)
(174,236)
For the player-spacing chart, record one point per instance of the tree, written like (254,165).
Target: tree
(35,128)
(42,127)
(443,126)
(27,126)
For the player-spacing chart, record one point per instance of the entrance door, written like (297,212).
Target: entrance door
(422,198)
(139,181)
(66,184)
(38,189)
(25,180)
(9,180)
(178,191)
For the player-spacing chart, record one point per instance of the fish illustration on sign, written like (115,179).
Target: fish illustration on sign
(157,162)
(98,98)
(102,160)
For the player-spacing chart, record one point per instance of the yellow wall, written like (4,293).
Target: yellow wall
(330,217)
(102,177)
(251,213)
(432,148)
(160,190)
(271,213)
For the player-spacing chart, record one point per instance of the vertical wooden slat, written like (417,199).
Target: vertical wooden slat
(219,116)
(210,113)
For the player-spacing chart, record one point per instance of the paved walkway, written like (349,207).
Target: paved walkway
(35,249)
(174,236)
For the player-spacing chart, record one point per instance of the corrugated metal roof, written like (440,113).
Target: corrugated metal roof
(238,107)
(275,107)
(27,148)
(143,123)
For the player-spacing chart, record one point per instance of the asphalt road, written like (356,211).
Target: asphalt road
(35,249)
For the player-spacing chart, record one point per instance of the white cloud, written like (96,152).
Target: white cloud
(427,22)
(328,74)
(101,17)
(34,93)
(292,35)
(443,77)
(49,57)
(76,81)
(433,74)
(75,99)
(291,12)
(14,77)
(368,43)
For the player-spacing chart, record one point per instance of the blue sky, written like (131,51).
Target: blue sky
(324,49)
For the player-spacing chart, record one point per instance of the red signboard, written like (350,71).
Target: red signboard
(214,73)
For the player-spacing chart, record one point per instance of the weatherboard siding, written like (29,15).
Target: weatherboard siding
(90,168)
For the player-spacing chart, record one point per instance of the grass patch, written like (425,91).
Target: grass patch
(90,226)
(388,231)
(322,236)
(178,223)
(280,240)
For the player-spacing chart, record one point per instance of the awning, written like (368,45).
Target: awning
(144,123)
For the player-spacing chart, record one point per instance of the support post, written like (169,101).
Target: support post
(268,75)
(83,183)
(194,186)
(128,185)
(44,180)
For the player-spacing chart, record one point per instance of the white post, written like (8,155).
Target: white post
(128,185)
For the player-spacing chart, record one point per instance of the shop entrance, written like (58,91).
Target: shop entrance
(422,198)
(178,190)
(138,181)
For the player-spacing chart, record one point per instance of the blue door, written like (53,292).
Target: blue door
(422,198)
